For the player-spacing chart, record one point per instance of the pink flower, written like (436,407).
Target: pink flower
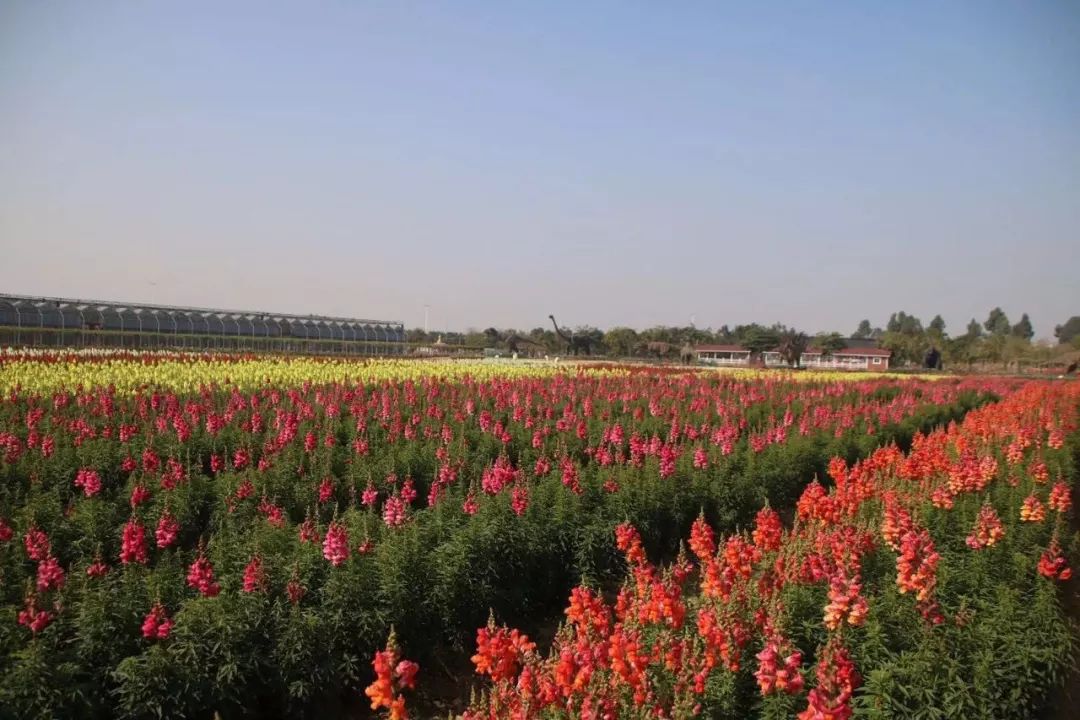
(167,530)
(133,544)
(255,576)
(157,624)
(201,577)
(89,480)
(336,544)
(36,543)
(50,576)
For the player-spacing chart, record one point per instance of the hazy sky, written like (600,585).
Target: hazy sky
(613,163)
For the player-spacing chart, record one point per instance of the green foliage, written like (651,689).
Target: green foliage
(997,323)
(1066,333)
(1023,329)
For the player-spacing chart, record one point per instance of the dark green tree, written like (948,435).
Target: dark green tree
(901,322)
(974,330)
(864,331)
(937,326)
(1067,332)
(997,323)
(621,341)
(759,339)
(1023,329)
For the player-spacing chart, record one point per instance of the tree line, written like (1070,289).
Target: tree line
(994,341)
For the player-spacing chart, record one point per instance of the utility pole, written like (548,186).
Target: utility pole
(426,308)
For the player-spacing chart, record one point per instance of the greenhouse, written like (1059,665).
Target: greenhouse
(67,322)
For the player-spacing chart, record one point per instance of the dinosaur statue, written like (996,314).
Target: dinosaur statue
(687,354)
(656,347)
(574,343)
(512,340)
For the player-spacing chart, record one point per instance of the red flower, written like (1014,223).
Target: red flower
(1052,564)
(50,576)
(392,675)
(837,680)
(36,543)
(255,576)
(1032,510)
(33,618)
(157,624)
(133,544)
(988,529)
(201,577)
(336,544)
(167,530)
(89,480)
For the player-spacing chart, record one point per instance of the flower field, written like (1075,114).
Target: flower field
(188,534)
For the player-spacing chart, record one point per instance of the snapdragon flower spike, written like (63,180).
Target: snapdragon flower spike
(988,529)
(837,680)
(395,511)
(133,543)
(201,577)
(157,624)
(336,544)
(97,569)
(50,576)
(767,530)
(845,602)
(255,578)
(702,539)
(33,618)
(916,571)
(294,589)
(139,495)
(167,530)
(1060,500)
(89,480)
(37,544)
(500,651)
(772,676)
(393,674)
(1032,510)
(1052,563)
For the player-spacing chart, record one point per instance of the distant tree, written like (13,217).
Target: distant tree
(864,331)
(997,323)
(937,326)
(723,335)
(830,343)
(974,330)
(621,341)
(545,338)
(877,333)
(1016,351)
(1023,329)
(1069,331)
(595,335)
(759,339)
(791,344)
(901,322)
(992,349)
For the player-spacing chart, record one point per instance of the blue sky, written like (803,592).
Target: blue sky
(613,163)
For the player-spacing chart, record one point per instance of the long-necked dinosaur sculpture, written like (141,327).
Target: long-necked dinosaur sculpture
(575,344)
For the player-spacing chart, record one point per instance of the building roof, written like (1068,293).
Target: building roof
(720,348)
(846,352)
(850,352)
